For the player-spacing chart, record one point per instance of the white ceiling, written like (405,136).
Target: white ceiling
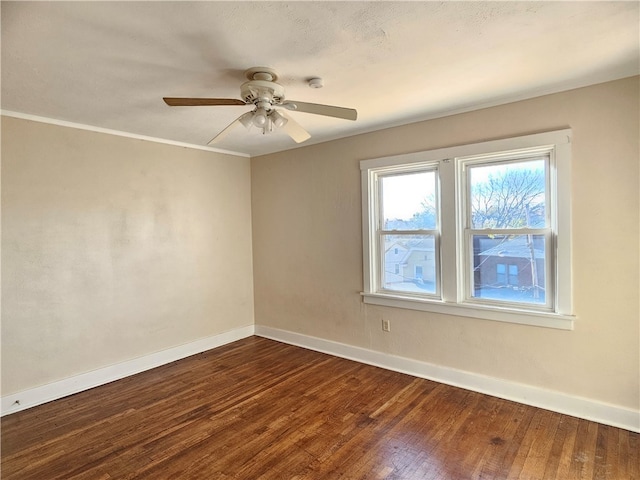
(108,64)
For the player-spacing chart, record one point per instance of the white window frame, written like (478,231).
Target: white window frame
(380,232)
(451,272)
(462,165)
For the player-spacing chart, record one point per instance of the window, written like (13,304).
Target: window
(507,227)
(407,223)
(501,276)
(478,230)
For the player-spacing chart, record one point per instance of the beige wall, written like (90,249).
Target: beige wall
(114,248)
(307,242)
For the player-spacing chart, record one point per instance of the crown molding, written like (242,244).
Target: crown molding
(91,128)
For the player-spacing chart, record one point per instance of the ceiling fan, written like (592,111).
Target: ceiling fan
(267,97)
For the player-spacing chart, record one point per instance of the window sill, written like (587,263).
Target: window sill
(524,317)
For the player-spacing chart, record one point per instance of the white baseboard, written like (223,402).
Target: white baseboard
(36,396)
(529,395)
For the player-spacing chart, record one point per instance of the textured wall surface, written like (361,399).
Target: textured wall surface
(306,208)
(114,248)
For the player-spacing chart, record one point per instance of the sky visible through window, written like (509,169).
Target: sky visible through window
(405,194)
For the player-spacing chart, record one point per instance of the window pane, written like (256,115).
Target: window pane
(409,201)
(409,263)
(513,275)
(509,268)
(508,195)
(500,271)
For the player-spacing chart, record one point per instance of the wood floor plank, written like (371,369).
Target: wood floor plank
(567,455)
(500,438)
(259,409)
(537,458)
(584,451)
(629,457)
(562,446)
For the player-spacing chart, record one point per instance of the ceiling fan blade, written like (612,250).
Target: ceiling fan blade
(318,109)
(226,131)
(195,102)
(294,130)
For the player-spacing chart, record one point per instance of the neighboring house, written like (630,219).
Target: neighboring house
(505,268)
(420,264)
(409,262)
(393,257)
(515,264)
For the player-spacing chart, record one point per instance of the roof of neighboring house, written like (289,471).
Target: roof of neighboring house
(391,256)
(515,248)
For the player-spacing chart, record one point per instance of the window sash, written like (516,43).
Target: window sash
(466,164)
(380,277)
(377,283)
(466,276)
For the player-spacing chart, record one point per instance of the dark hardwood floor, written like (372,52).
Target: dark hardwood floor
(259,409)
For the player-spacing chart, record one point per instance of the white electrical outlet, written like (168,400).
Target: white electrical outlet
(386,325)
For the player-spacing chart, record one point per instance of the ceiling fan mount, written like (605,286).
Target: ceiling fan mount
(261,73)
(262,87)
(262,91)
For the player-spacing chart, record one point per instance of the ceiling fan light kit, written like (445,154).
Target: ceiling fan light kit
(278,119)
(246,120)
(260,117)
(262,91)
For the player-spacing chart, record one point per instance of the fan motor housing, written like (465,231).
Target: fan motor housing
(255,91)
